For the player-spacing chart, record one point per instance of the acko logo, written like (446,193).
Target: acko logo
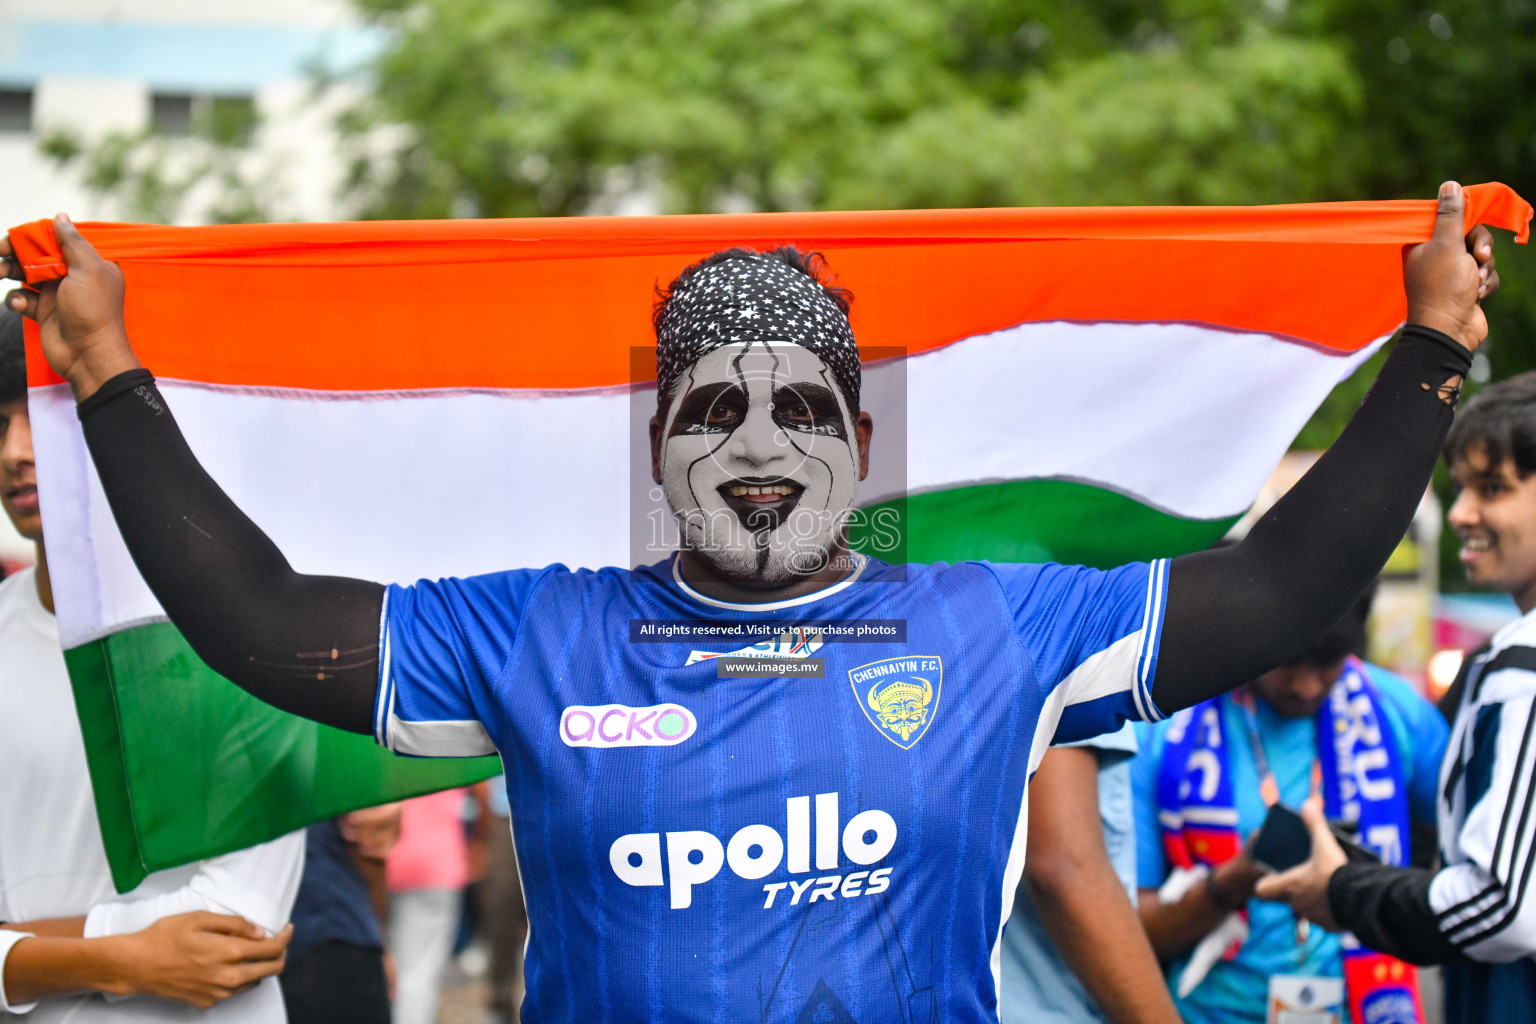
(619,725)
(756,851)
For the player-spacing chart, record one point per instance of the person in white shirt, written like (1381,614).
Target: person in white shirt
(199,943)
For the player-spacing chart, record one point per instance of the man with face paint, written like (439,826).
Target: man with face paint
(758,443)
(843,847)
(760,462)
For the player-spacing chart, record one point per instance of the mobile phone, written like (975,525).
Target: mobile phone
(1283,841)
(1356,853)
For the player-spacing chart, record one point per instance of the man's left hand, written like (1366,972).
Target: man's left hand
(1305,887)
(1447,277)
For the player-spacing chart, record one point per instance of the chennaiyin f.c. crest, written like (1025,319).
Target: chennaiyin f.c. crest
(900,696)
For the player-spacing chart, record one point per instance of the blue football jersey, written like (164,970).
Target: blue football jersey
(832,849)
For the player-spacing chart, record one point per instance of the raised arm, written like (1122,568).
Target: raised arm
(305,644)
(1237,612)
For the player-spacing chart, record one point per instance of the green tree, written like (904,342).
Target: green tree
(1447,88)
(158,178)
(521,107)
(1247,121)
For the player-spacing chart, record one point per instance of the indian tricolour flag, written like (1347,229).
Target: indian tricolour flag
(404,400)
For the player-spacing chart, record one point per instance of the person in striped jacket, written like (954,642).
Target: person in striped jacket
(1475,914)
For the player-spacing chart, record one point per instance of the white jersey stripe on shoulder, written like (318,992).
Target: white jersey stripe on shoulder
(1153,641)
(1146,621)
(1151,633)
(389,717)
(1107,672)
(1142,711)
(1149,623)
(389,714)
(381,700)
(1146,611)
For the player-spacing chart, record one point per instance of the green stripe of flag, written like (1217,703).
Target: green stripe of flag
(1030,521)
(164,732)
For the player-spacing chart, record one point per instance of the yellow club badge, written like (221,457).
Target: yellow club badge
(899,696)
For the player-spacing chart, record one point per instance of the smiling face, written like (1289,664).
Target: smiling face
(1495,517)
(759,456)
(18,470)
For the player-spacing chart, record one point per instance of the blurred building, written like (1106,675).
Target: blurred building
(94,70)
(91,69)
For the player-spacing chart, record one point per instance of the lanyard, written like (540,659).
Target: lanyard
(1269,789)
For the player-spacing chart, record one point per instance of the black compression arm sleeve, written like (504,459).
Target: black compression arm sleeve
(305,644)
(1235,613)
(1388,910)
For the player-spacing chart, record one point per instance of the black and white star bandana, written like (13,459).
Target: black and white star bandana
(754,299)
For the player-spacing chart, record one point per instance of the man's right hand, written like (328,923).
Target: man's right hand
(198,958)
(80,316)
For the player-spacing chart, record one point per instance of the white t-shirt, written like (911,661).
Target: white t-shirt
(52,863)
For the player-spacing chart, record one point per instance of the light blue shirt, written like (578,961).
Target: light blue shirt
(1038,987)
(1235,990)
(496,797)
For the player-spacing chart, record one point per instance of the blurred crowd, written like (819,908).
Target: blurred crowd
(401,902)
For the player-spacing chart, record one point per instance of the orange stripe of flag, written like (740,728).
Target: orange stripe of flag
(562,303)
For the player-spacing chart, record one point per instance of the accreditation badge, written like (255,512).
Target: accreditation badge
(1304,999)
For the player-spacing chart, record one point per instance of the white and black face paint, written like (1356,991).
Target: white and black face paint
(760,460)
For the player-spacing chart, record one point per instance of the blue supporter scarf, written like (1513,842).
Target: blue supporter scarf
(1361,769)
(1196,811)
(1363,781)
(1360,773)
